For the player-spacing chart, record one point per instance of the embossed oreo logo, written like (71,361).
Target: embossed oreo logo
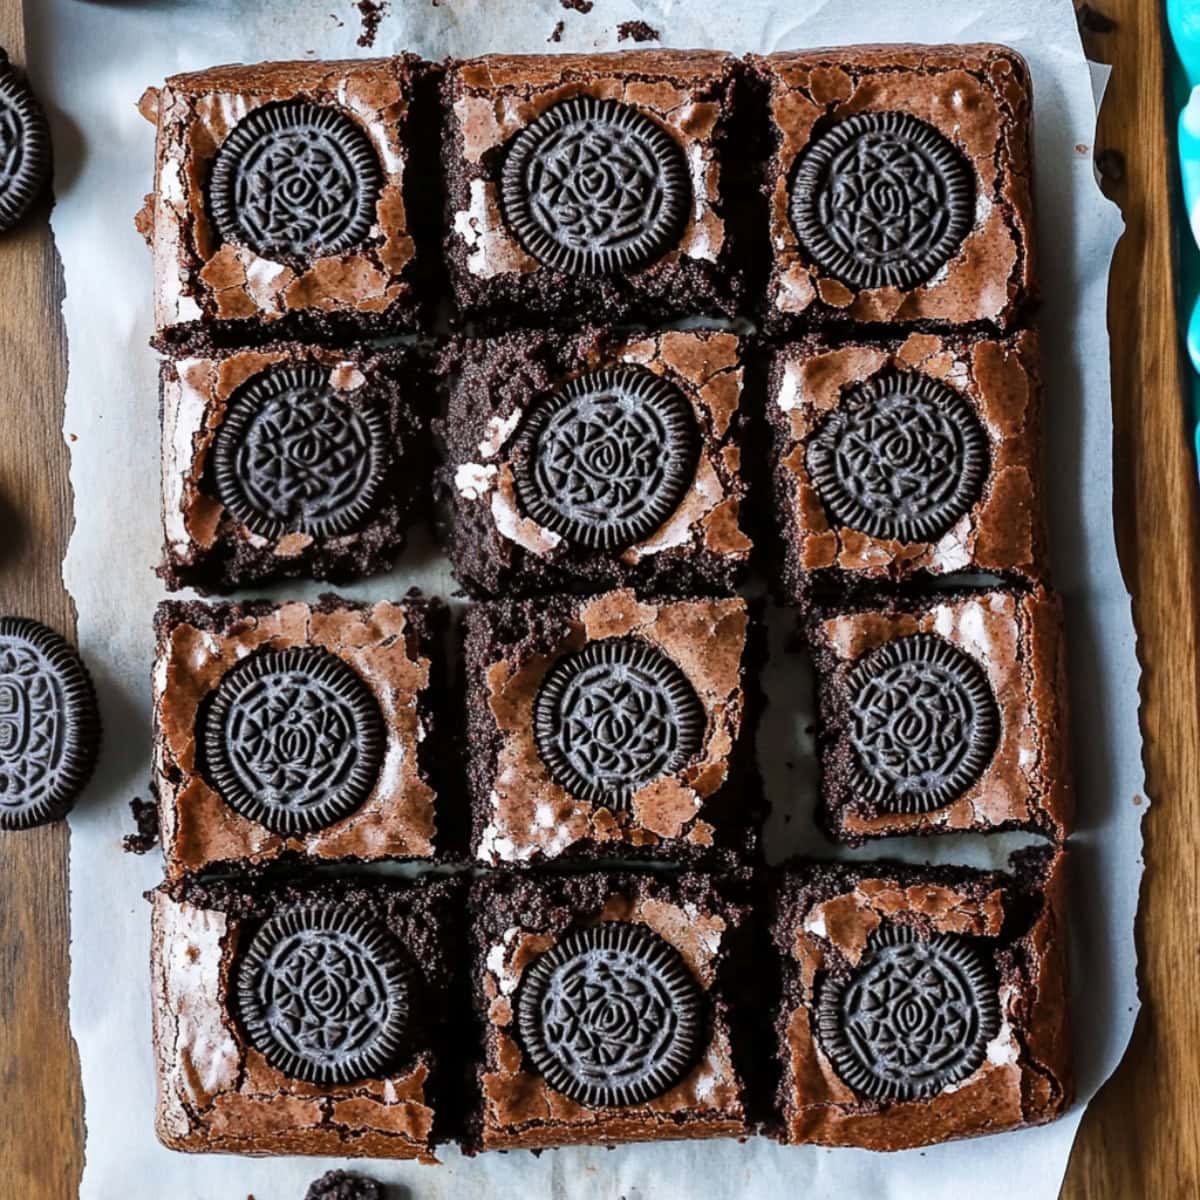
(914,1017)
(923,723)
(295,180)
(901,457)
(613,717)
(24,147)
(324,995)
(605,460)
(882,200)
(292,456)
(595,186)
(611,1016)
(49,727)
(293,739)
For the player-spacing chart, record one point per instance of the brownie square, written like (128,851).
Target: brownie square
(591,186)
(585,463)
(898,186)
(557,960)
(613,727)
(294,731)
(902,459)
(290,460)
(943,713)
(920,1004)
(285,200)
(254,990)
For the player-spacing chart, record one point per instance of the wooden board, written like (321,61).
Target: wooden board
(1139,1138)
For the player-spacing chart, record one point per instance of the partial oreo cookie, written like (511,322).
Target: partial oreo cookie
(611,1015)
(595,187)
(882,199)
(49,725)
(24,147)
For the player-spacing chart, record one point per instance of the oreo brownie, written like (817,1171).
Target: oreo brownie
(289,460)
(306,1018)
(590,462)
(613,727)
(943,713)
(285,200)
(898,186)
(902,459)
(591,186)
(287,731)
(920,1004)
(606,1002)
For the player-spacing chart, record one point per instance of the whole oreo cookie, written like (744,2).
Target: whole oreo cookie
(295,180)
(915,1016)
(49,725)
(605,460)
(24,147)
(611,1016)
(882,199)
(324,995)
(292,456)
(595,187)
(901,457)
(923,723)
(613,717)
(293,739)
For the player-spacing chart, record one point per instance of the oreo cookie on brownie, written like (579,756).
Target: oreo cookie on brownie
(898,186)
(920,1004)
(613,727)
(298,731)
(306,1017)
(591,186)
(607,1004)
(899,459)
(579,463)
(285,200)
(943,713)
(289,460)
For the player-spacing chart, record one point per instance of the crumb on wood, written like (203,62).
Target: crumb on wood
(1111,165)
(636,31)
(1093,21)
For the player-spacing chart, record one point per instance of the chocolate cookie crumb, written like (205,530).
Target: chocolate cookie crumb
(145,817)
(556,36)
(372,12)
(1111,165)
(579,6)
(636,31)
(1092,21)
(342,1185)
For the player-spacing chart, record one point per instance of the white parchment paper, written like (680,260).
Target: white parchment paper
(90,60)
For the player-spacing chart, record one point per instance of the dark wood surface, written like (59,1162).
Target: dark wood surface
(1139,1138)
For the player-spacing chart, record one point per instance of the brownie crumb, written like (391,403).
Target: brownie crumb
(145,817)
(1092,21)
(636,31)
(579,6)
(372,13)
(342,1185)
(556,36)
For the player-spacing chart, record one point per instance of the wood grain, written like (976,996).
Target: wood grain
(1139,1139)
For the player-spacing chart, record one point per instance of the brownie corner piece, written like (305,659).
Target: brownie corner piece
(234,1076)
(980,955)
(900,186)
(584,462)
(591,186)
(285,202)
(943,713)
(899,460)
(613,727)
(298,731)
(674,950)
(289,460)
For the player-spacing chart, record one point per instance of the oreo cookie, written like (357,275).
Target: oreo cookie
(882,199)
(325,995)
(605,460)
(611,1016)
(595,187)
(293,456)
(914,1017)
(923,723)
(49,725)
(293,739)
(902,457)
(613,717)
(295,181)
(24,147)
